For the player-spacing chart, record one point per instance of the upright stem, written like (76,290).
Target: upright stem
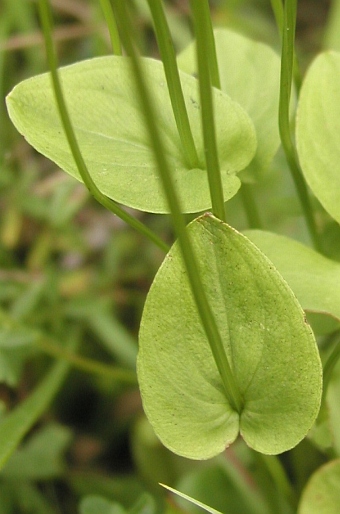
(210,45)
(277,8)
(252,213)
(189,258)
(284,122)
(168,56)
(46,20)
(112,26)
(203,35)
(279,477)
(278,13)
(330,365)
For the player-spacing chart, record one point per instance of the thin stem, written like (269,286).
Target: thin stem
(210,45)
(279,477)
(330,365)
(46,20)
(189,258)
(168,56)
(202,32)
(112,26)
(122,376)
(277,8)
(253,216)
(284,122)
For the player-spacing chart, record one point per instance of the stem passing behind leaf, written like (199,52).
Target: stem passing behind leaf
(174,85)
(287,59)
(112,26)
(203,307)
(204,54)
(46,20)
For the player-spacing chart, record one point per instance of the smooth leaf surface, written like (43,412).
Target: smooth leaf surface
(269,345)
(103,102)
(318,130)
(250,75)
(322,493)
(313,278)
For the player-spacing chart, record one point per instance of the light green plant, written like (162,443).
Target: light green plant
(225,347)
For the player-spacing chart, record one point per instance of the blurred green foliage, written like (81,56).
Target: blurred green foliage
(71,273)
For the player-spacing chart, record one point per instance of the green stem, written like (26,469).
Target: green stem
(279,477)
(46,20)
(112,26)
(189,258)
(253,216)
(277,8)
(203,34)
(122,376)
(279,18)
(210,46)
(330,365)
(168,56)
(284,122)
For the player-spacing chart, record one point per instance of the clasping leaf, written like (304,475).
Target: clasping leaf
(270,347)
(102,99)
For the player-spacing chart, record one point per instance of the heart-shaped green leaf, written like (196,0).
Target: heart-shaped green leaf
(270,347)
(313,278)
(318,130)
(322,493)
(250,74)
(103,102)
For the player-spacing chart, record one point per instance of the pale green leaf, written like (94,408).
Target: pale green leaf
(318,130)
(250,75)
(270,347)
(313,277)
(103,102)
(322,493)
(332,30)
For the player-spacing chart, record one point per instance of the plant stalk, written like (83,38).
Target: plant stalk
(168,56)
(210,46)
(330,364)
(284,122)
(203,34)
(47,24)
(112,26)
(250,207)
(189,258)
(119,375)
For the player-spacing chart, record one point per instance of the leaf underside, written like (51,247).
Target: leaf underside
(250,75)
(269,345)
(322,493)
(103,102)
(313,277)
(318,130)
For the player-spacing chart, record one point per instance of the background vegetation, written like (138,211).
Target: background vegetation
(73,274)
